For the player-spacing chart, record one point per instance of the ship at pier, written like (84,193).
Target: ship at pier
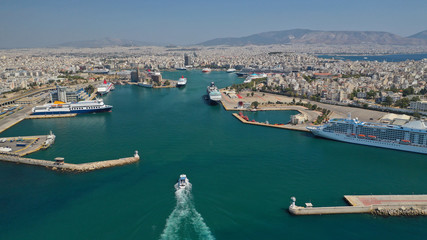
(213,93)
(411,136)
(105,88)
(68,108)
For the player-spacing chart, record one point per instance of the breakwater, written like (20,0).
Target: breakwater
(60,165)
(382,205)
(301,127)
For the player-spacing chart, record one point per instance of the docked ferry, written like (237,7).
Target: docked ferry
(206,70)
(104,88)
(411,137)
(213,92)
(65,108)
(181,82)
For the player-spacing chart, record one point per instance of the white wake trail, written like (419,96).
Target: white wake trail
(184,221)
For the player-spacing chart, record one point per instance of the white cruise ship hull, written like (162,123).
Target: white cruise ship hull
(366,141)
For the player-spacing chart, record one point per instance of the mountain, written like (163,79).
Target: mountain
(305,36)
(106,42)
(420,35)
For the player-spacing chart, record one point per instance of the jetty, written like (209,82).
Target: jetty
(51,116)
(301,127)
(383,205)
(60,165)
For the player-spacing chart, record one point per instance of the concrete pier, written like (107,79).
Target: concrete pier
(69,167)
(301,127)
(385,205)
(51,116)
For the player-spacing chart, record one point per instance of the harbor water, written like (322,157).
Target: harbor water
(242,175)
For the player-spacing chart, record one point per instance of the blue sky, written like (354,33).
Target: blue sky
(30,23)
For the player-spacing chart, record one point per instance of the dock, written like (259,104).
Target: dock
(60,165)
(383,205)
(24,145)
(51,116)
(301,127)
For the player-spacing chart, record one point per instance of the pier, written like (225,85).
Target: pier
(383,205)
(60,165)
(51,116)
(301,127)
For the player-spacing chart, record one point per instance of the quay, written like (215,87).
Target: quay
(60,165)
(383,205)
(21,146)
(301,127)
(51,116)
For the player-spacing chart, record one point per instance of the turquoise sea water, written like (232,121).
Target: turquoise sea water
(242,175)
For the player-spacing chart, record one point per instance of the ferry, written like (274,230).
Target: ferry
(145,84)
(253,77)
(181,82)
(213,92)
(183,181)
(49,140)
(206,70)
(104,88)
(411,137)
(59,107)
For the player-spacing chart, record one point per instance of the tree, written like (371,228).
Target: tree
(402,103)
(388,101)
(255,104)
(371,94)
(416,99)
(90,89)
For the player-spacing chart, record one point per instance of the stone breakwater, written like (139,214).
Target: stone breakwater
(402,211)
(381,205)
(69,167)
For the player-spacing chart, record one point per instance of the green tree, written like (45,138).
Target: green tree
(255,104)
(388,101)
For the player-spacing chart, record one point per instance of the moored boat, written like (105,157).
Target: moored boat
(213,93)
(66,108)
(411,136)
(181,82)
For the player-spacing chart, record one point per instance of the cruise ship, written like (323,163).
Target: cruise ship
(181,82)
(65,108)
(214,94)
(411,137)
(104,88)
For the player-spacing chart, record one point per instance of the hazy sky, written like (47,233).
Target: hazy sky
(29,23)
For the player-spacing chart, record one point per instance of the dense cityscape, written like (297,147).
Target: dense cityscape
(291,71)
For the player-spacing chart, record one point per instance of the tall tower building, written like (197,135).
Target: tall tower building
(187,60)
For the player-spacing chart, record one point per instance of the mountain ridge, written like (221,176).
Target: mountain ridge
(307,36)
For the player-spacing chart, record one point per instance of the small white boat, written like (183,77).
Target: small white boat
(206,70)
(183,181)
(231,70)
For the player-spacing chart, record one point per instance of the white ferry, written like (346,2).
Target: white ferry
(411,137)
(65,108)
(213,92)
(105,88)
(181,82)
